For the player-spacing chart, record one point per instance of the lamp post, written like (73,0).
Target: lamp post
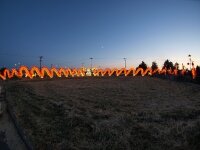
(91,62)
(41,57)
(91,66)
(125,62)
(17,65)
(190,61)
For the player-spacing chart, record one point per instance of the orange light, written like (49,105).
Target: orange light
(35,71)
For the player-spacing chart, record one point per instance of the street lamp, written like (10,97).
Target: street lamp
(41,57)
(17,65)
(91,62)
(190,61)
(125,62)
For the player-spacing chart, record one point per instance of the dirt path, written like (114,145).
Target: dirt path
(9,138)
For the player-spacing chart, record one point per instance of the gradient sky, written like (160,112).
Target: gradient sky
(68,33)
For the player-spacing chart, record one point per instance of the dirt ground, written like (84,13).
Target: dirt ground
(9,138)
(107,112)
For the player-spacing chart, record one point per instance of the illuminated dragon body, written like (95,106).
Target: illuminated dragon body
(24,71)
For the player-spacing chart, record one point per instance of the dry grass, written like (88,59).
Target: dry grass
(108,113)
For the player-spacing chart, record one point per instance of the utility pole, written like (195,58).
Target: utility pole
(125,62)
(41,57)
(91,62)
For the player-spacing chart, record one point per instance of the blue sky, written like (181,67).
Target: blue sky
(68,33)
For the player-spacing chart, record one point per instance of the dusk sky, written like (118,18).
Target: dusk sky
(68,33)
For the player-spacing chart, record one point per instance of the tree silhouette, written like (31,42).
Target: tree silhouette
(198,70)
(168,65)
(198,74)
(2,70)
(143,65)
(176,66)
(154,66)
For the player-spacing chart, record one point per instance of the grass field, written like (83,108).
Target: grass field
(107,113)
